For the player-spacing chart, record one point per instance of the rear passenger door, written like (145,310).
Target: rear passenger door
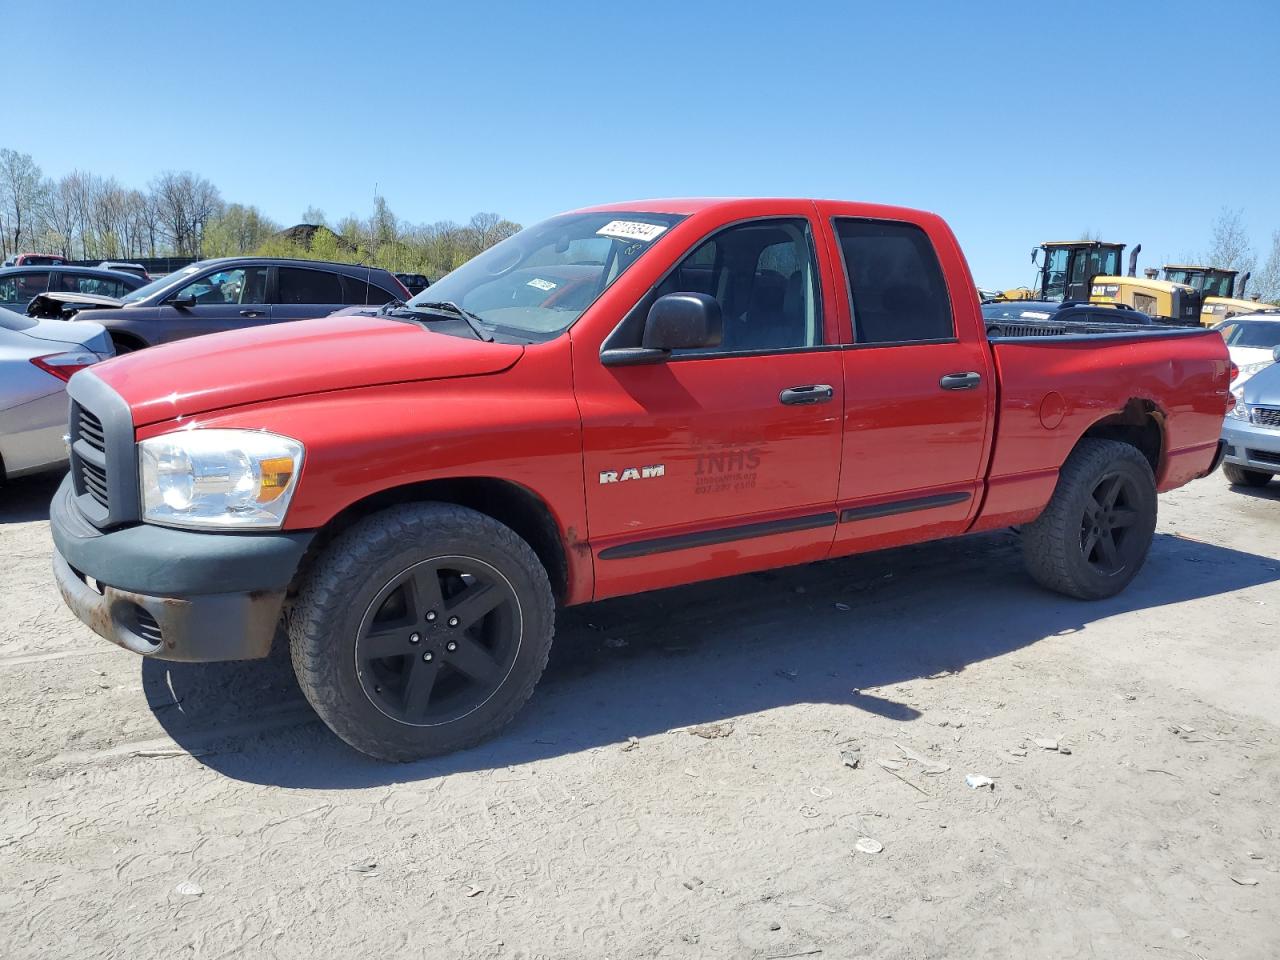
(918,392)
(302,293)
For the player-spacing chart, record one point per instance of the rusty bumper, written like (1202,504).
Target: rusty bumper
(220,626)
(174,594)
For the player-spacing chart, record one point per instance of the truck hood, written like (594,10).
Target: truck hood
(292,359)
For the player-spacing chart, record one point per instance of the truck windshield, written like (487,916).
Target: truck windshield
(538,282)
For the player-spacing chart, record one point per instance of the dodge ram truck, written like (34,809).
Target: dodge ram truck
(615,400)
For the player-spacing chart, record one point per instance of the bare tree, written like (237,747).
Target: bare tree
(184,204)
(59,215)
(314,216)
(1229,246)
(20,186)
(1267,280)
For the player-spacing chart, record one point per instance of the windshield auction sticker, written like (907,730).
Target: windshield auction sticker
(631,230)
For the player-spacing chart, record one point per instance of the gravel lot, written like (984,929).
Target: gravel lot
(179,811)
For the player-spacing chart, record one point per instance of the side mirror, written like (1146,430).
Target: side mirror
(182,302)
(683,321)
(678,321)
(1275,354)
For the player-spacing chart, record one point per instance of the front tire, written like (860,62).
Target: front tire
(1240,477)
(1093,537)
(422,630)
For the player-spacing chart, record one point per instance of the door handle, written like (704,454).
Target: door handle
(960,381)
(253,313)
(812,393)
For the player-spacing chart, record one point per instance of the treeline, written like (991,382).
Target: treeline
(83,216)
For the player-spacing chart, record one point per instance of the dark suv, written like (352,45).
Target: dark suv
(226,294)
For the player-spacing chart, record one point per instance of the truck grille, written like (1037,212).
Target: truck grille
(1266,416)
(93,478)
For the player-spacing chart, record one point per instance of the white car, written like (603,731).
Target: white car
(1251,338)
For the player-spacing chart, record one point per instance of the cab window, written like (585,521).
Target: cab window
(896,289)
(764,277)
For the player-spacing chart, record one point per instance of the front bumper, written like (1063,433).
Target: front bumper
(174,594)
(1251,446)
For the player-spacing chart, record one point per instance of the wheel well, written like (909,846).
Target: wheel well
(509,503)
(1140,424)
(127,340)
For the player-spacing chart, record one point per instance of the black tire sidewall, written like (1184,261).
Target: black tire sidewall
(350,713)
(1239,476)
(1091,581)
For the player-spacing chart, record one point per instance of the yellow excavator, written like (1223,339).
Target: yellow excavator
(1187,294)
(1067,269)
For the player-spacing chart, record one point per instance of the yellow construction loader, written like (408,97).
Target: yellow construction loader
(1067,269)
(1187,294)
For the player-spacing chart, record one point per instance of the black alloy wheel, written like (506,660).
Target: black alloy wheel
(1110,515)
(438,640)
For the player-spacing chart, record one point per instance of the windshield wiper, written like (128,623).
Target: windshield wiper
(448,306)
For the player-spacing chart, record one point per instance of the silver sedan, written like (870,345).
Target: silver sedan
(37,358)
(1252,430)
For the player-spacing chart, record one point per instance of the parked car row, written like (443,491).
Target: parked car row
(224,294)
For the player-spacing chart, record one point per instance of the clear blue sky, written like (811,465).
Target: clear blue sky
(1119,119)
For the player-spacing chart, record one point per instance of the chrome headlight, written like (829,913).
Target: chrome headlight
(229,479)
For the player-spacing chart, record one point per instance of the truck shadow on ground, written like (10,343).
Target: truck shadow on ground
(27,499)
(643,665)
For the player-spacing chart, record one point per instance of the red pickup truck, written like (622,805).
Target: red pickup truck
(615,400)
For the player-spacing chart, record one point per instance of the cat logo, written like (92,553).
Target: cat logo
(633,473)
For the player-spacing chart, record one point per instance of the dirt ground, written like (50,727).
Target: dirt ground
(149,810)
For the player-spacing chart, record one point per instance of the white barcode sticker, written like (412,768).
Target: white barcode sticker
(632,230)
(541,284)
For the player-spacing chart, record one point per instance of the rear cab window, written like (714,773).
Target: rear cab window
(897,292)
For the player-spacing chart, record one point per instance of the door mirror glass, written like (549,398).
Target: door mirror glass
(182,301)
(683,321)
(1275,354)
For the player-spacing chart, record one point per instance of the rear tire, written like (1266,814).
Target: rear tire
(1093,537)
(422,630)
(1240,477)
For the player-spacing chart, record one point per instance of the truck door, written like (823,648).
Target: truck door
(720,460)
(918,390)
